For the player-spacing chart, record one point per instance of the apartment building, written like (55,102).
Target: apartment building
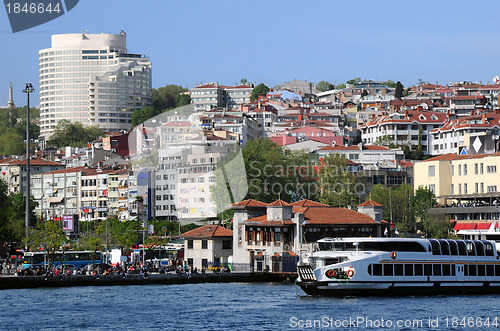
(213,95)
(13,171)
(457,132)
(402,128)
(57,193)
(455,177)
(92,79)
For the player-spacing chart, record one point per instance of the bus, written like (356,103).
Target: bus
(77,259)
(163,255)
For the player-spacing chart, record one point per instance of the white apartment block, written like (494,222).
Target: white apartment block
(213,95)
(457,132)
(404,128)
(92,79)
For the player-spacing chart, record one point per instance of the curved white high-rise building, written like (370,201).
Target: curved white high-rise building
(92,79)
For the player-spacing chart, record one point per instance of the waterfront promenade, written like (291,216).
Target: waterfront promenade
(13,282)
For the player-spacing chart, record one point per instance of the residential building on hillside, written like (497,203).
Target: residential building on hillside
(453,134)
(410,127)
(92,79)
(303,88)
(14,171)
(57,193)
(366,154)
(213,95)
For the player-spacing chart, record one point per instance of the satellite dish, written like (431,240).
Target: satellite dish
(495,79)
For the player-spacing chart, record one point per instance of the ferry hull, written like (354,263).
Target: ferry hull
(397,289)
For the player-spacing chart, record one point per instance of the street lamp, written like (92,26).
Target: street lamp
(28,89)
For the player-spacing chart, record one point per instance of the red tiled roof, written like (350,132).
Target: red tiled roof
(490,120)
(336,216)
(370,203)
(279,203)
(414,116)
(249,203)
(208,231)
(36,162)
(308,203)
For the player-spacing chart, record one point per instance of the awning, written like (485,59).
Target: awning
(54,199)
(472,226)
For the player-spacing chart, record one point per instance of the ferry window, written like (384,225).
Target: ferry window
(446,270)
(398,270)
(428,269)
(418,270)
(436,268)
(481,270)
(489,270)
(453,271)
(445,248)
(377,269)
(471,248)
(472,270)
(497,269)
(479,248)
(408,269)
(462,248)
(388,270)
(466,270)
(435,247)
(453,247)
(370,269)
(488,249)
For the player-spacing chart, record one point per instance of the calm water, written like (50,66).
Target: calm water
(228,306)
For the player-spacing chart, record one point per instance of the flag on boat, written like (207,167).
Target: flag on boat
(396,232)
(385,232)
(392,224)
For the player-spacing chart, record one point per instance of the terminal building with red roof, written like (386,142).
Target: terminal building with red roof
(273,236)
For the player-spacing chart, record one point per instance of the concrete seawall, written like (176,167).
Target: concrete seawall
(17,282)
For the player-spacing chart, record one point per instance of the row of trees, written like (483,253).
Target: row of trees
(13,129)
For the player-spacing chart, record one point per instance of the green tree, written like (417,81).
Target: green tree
(338,186)
(182,100)
(142,115)
(73,134)
(396,202)
(324,86)
(354,81)
(243,81)
(11,143)
(272,172)
(398,92)
(258,90)
(340,86)
(165,97)
(389,83)
(48,236)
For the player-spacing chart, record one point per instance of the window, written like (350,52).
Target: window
(190,244)
(452,189)
(204,244)
(204,263)
(227,244)
(418,270)
(452,170)
(377,269)
(408,269)
(388,270)
(432,188)
(481,168)
(190,261)
(460,170)
(465,188)
(432,171)
(476,168)
(465,169)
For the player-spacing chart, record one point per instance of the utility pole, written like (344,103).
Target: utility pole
(29,88)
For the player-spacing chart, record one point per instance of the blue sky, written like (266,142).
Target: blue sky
(192,42)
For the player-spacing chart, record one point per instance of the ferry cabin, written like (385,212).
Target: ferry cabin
(363,266)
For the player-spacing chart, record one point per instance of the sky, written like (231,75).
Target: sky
(271,42)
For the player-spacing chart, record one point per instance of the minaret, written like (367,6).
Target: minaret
(11,98)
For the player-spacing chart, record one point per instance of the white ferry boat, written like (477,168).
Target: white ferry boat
(400,266)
